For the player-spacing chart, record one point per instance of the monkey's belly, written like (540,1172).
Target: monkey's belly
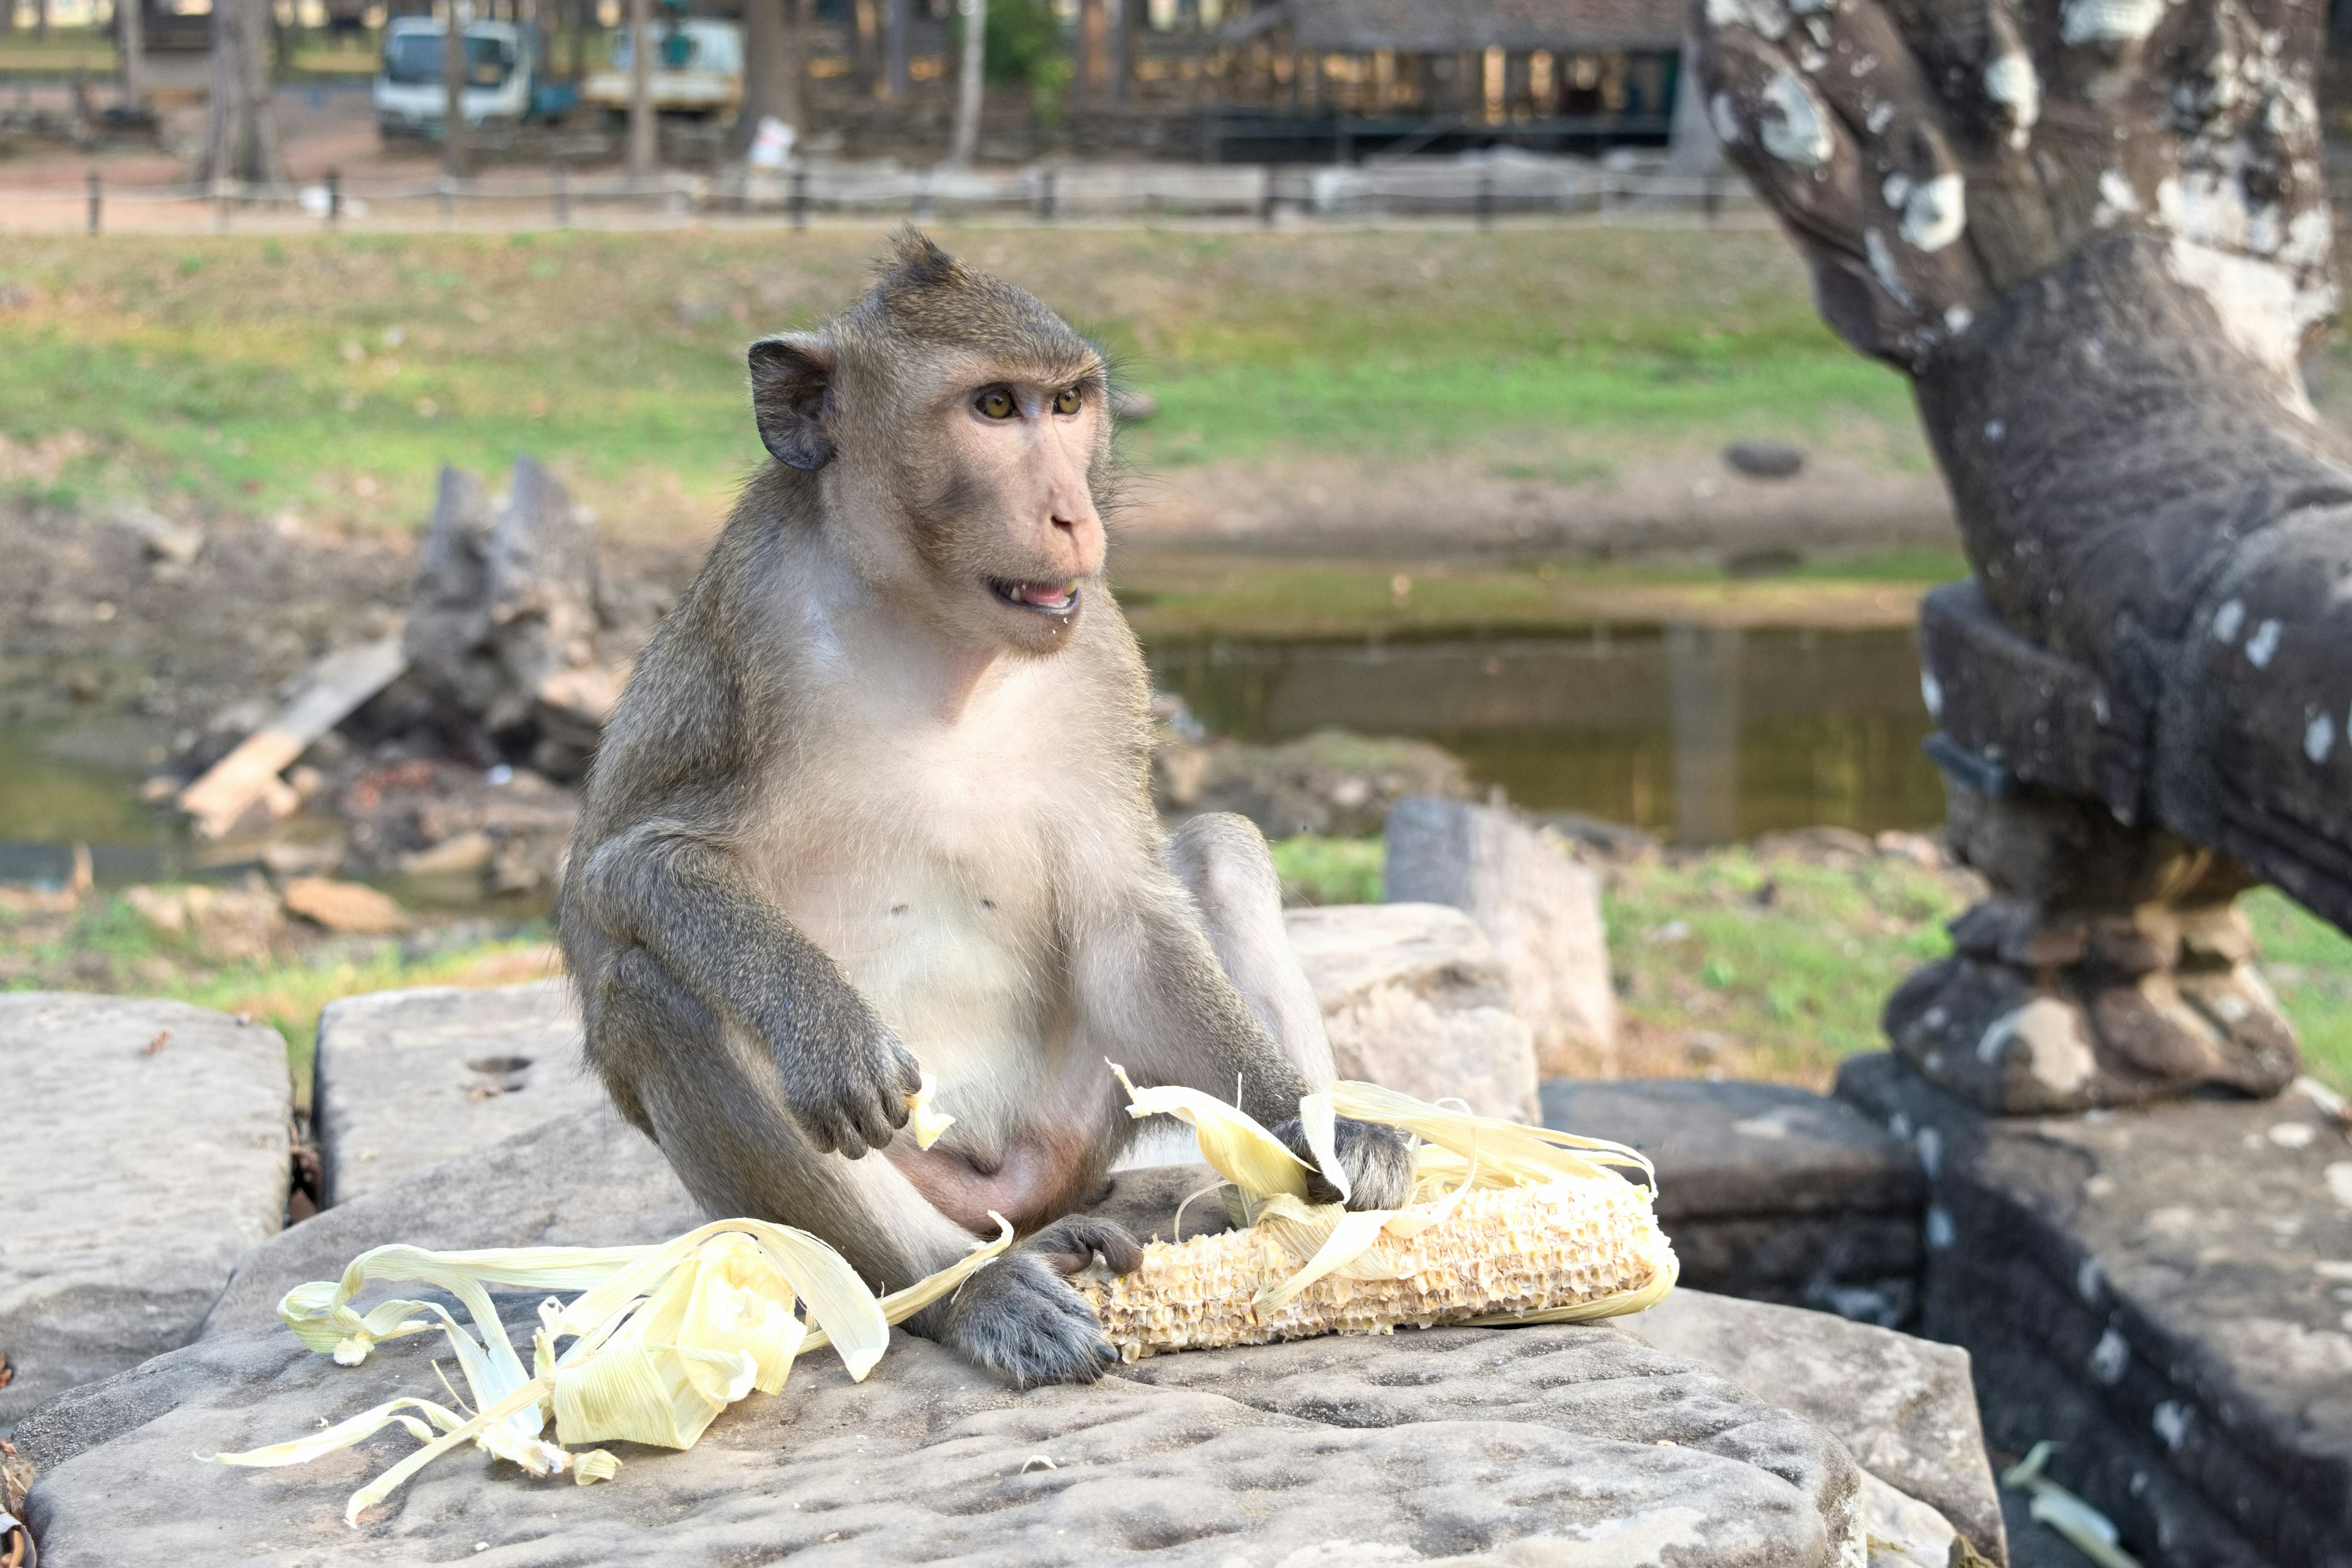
(1036,1182)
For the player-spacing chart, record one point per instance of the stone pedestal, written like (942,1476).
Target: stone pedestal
(1768,1191)
(2110,967)
(2167,1292)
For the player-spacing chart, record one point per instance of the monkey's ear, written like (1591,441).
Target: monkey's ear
(792,386)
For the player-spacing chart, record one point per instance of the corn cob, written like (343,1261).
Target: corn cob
(1580,1246)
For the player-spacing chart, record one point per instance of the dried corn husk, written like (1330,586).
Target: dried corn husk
(657,1343)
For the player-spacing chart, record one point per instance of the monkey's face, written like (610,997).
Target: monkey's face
(1014,533)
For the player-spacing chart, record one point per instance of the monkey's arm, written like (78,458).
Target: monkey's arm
(685,899)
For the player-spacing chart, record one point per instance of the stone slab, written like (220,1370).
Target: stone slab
(584,1179)
(1903,1407)
(408,1079)
(1540,909)
(1566,1444)
(1768,1191)
(1415,997)
(146,1146)
(2164,1290)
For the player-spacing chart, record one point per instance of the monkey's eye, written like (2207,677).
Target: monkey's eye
(1066,400)
(996,404)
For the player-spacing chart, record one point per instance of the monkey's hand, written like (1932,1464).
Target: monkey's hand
(1019,1316)
(849,1092)
(1378,1162)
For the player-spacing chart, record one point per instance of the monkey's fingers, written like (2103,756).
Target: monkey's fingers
(1071,1244)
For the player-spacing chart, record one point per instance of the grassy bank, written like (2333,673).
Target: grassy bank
(332,374)
(1770,963)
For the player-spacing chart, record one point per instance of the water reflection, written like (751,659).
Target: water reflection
(1702,734)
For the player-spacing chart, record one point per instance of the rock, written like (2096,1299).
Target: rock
(1415,997)
(1541,911)
(584,1178)
(1129,406)
(176,543)
(1330,782)
(1764,459)
(1768,1191)
(352,909)
(2160,1291)
(406,1079)
(1903,1407)
(148,1147)
(1533,1444)
(234,924)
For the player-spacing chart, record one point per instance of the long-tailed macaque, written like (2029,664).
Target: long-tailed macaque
(876,803)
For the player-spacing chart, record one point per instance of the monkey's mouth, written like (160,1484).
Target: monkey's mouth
(1043,599)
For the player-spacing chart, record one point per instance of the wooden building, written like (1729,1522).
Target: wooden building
(1449,73)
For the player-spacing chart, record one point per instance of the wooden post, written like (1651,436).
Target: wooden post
(1094,51)
(92,180)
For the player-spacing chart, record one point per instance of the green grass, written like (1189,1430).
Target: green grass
(333,373)
(1319,871)
(2309,964)
(1779,965)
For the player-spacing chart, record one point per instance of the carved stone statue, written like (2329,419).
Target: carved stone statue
(2094,234)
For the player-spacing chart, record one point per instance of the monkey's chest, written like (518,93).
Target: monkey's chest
(960,967)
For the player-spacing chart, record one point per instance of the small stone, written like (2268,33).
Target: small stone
(350,908)
(177,543)
(1764,459)
(1129,406)
(459,855)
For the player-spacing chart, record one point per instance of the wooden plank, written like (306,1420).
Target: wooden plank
(330,690)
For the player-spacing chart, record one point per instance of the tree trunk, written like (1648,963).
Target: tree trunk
(456,142)
(1094,51)
(868,62)
(2100,270)
(969,85)
(241,131)
(773,70)
(131,40)
(575,50)
(897,78)
(643,147)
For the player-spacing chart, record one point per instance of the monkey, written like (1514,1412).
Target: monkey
(874,803)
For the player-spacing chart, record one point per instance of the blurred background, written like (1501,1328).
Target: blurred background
(1477,438)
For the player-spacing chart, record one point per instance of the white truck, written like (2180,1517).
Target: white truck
(502,65)
(698,69)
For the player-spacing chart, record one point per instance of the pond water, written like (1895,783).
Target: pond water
(1700,734)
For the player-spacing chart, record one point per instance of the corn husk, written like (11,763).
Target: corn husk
(658,1341)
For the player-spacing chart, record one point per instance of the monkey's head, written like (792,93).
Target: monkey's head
(957,431)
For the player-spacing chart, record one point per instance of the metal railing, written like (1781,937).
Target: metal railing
(1481,191)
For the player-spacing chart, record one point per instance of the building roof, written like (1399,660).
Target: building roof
(1445,26)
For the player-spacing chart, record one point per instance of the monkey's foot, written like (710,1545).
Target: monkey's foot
(1020,1317)
(2039,1012)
